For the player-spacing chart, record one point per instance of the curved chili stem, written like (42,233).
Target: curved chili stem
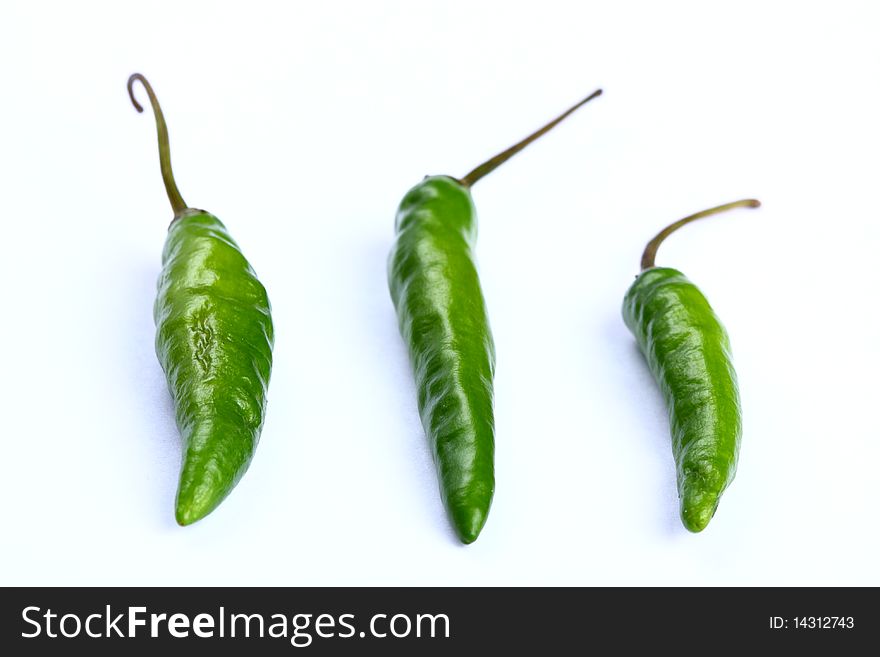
(651,250)
(177,202)
(490,165)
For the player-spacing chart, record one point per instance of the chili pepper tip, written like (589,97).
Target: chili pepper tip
(196,507)
(468,523)
(696,514)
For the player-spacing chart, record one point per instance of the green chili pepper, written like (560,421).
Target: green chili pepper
(688,352)
(214,340)
(442,317)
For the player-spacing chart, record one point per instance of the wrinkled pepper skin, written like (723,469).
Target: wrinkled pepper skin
(688,352)
(214,340)
(442,318)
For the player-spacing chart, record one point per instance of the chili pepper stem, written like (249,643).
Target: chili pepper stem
(177,202)
(651,249)
(490,165)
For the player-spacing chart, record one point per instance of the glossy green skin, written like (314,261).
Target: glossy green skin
(688,352)
(214,340)
(442,316)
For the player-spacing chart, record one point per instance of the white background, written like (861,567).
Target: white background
(301,125)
